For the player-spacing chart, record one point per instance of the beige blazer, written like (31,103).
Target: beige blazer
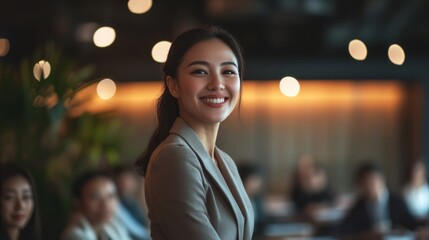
(188,197)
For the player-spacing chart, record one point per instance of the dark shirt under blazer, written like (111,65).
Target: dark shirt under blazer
(358,219)
(188,197)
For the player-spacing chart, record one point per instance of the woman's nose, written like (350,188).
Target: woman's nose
(19,204)
(216,82)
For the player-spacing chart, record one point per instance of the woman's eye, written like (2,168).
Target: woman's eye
(28,197)
(199,72)
(7,197)
(230,72)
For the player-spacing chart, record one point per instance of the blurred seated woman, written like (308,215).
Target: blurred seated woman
(310,191)
(416,191)
(95,197)
(19,213)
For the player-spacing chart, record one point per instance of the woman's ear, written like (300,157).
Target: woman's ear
(172,86)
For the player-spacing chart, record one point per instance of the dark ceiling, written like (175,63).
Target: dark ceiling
(269,31)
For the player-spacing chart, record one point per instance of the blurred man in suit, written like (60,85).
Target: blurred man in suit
(376,209)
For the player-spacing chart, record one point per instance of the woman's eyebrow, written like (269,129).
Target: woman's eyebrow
(8,190)
(198,63)
(207,64)
(229,63)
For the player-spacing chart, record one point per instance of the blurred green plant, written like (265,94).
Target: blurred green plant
(38,131)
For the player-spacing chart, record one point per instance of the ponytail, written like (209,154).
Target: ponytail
(167,112)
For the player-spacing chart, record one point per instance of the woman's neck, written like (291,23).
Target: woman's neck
(207,133)
(13,233)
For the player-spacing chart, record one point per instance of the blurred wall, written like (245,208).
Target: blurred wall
(339,122)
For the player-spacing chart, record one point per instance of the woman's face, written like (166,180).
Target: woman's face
(17,202)
(208,83)
(99,200)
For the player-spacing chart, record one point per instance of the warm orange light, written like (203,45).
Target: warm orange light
(131,97)
(4,47)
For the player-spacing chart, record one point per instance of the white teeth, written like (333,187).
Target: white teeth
(214,100)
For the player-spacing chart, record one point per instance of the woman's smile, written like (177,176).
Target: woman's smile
(214,101)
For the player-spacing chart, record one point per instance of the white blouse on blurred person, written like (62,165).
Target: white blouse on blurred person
(416,192)
(417,199)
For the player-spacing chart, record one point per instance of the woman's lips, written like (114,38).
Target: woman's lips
(214,101)
(18,217)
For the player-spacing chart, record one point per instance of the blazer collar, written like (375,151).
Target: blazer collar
(238,192)
(182,129)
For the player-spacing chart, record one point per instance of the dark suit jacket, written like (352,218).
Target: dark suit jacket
(188,197)
(358,218)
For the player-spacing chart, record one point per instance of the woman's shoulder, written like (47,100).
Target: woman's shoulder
(172,146)
(175,153)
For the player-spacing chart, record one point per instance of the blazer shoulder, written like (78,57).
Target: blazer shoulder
(175,153)
(172,146)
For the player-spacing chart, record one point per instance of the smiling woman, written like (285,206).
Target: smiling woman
(193,189)
(19,213)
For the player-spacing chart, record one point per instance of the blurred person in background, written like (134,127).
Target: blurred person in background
(253,180)
(129,211)
(416,191)
(96,201)
(310,192)
(376,210)
(19,212)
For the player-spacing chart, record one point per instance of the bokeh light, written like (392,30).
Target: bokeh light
(4,47)
(396,54)
(106,89)
(85,31)
(139,6)
(358,50)
(104,37)
(160,51)
(41,70)
(289,86)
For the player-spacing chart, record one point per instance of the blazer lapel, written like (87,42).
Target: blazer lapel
(239,195)
(182,129)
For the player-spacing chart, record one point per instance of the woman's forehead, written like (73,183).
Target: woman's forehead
(16,182)
(211,51)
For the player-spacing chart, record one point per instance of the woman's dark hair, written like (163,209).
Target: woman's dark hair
(32,230)
(168,107)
